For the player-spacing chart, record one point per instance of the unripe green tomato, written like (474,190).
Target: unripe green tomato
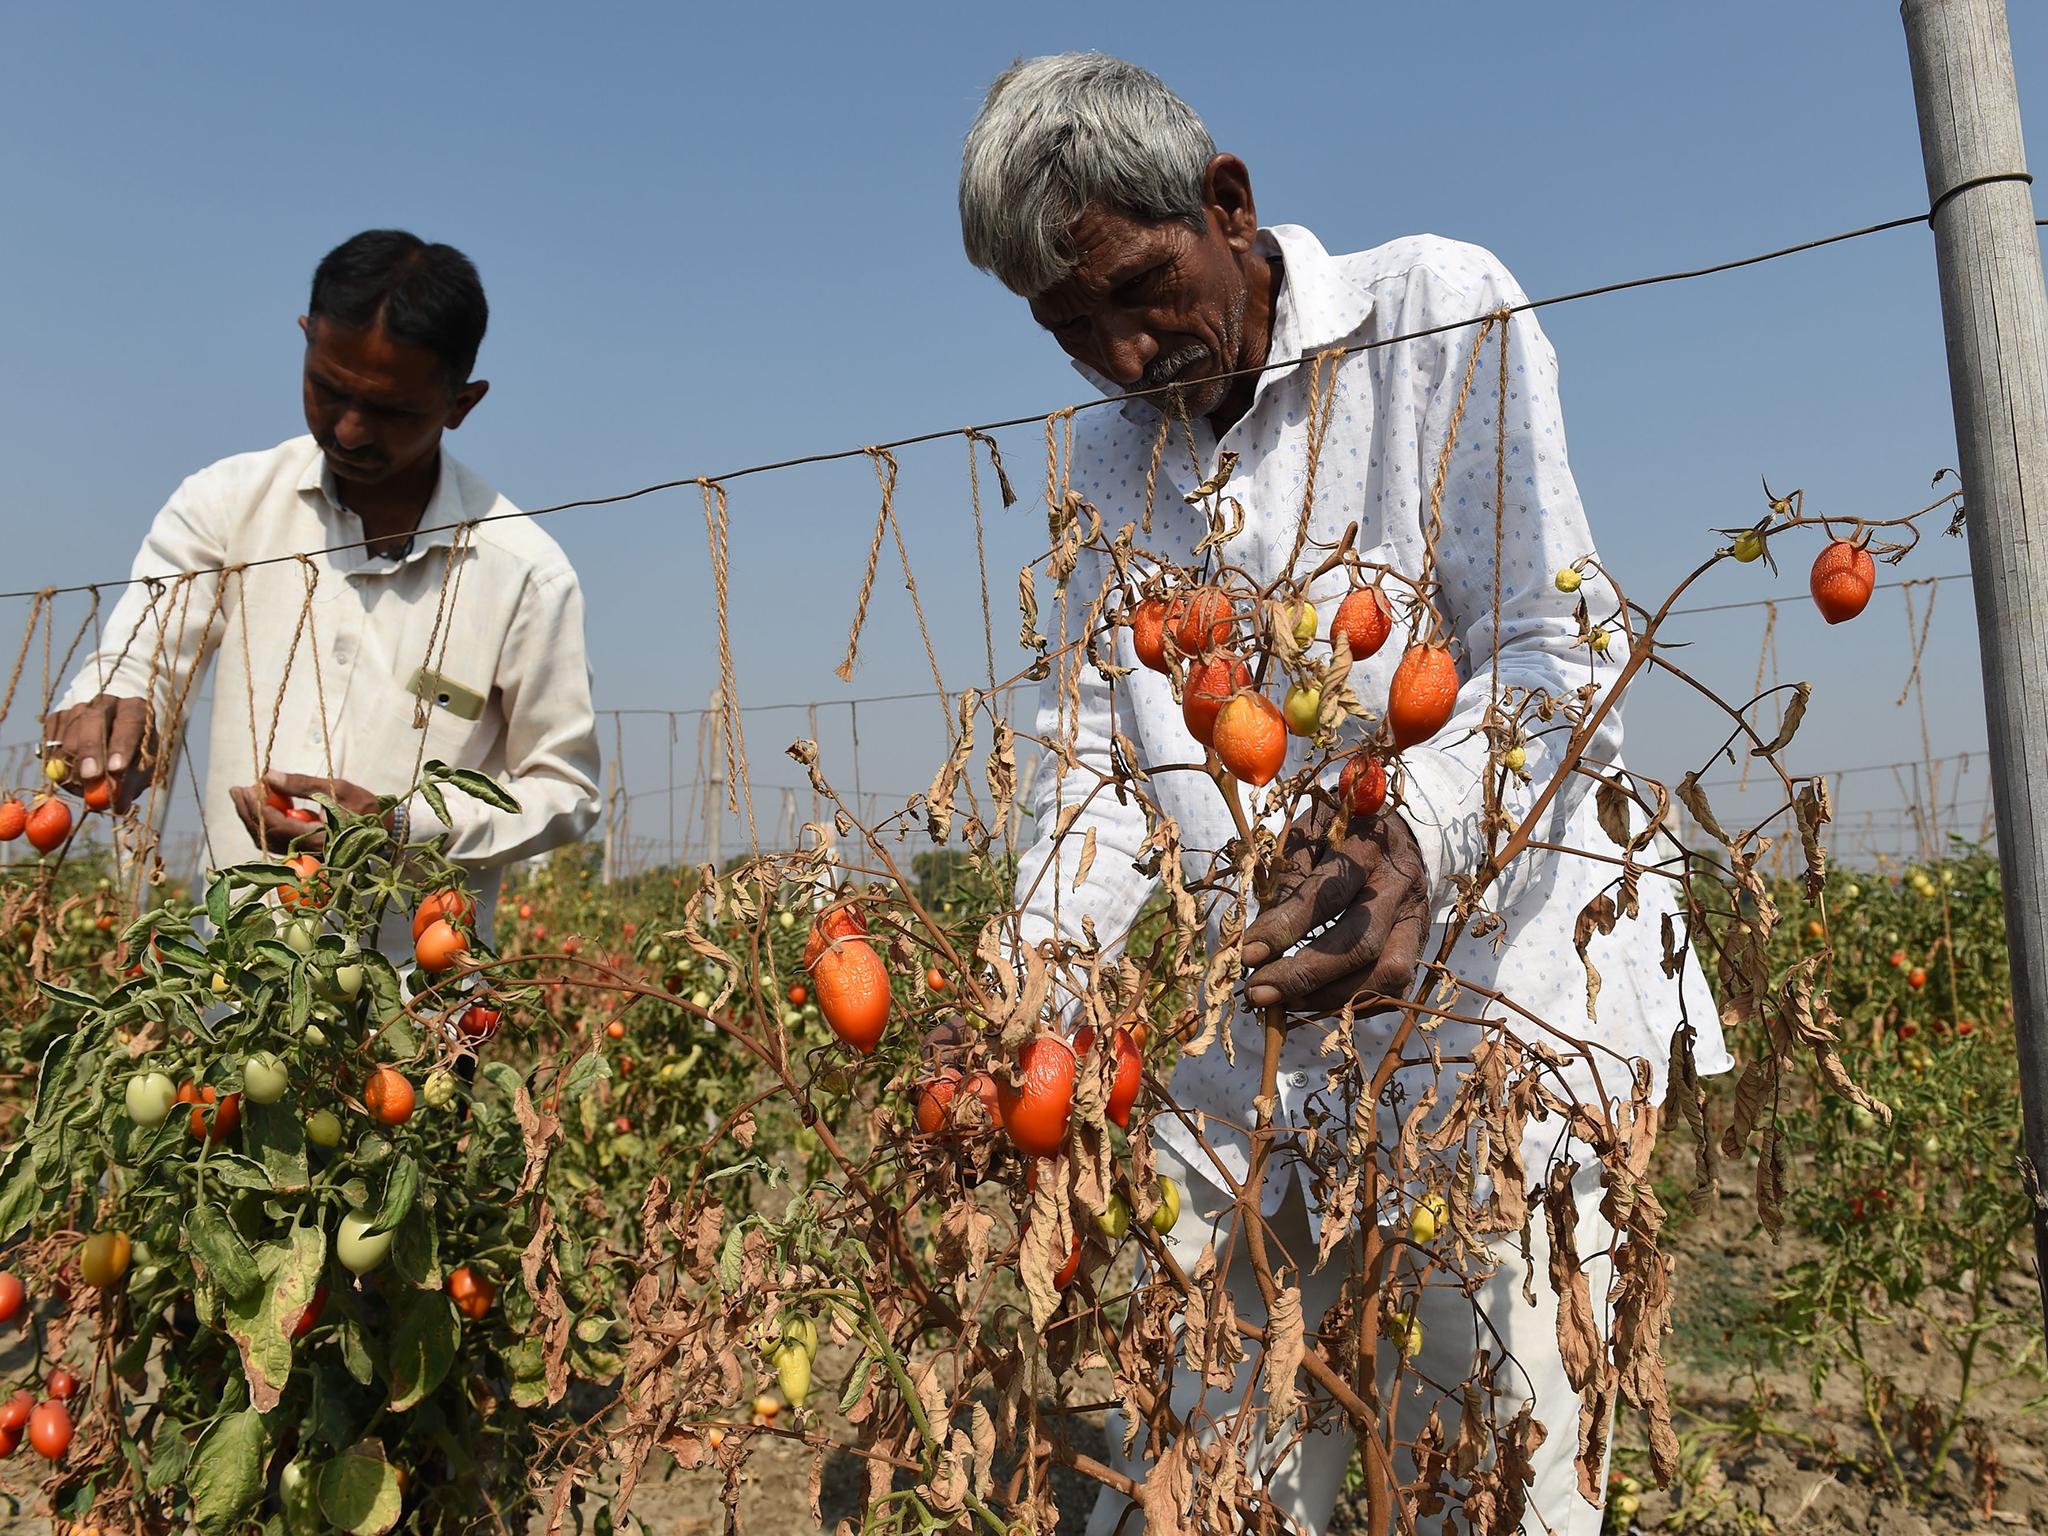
(793,1373)
(1301,709)
(798,1329)
(1568,580)
(1168,1211)
(359,1249)
(149,1098)
(1748,546)
(323,1128)
(1851,891)
(1862,1119)
(786,919)
(792,1017)
(348,977)
(1115,1219)
(263,1078)
(1427,1219)
(1626,1505)
(315,1035)
(1930,1145)
(1600,641)
(700,998)
(439,1091)
(1515,759)
(302,935)
(103,1259)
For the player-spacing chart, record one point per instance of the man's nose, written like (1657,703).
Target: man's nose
(352,429)
(1127,350)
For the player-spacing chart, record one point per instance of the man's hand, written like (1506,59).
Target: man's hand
(1372,883)
(108,736)
(272,827)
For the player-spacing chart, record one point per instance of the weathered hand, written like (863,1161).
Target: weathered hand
(1373,885)
(272,828)
(106,736)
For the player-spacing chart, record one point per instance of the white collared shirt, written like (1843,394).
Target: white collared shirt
(1388,421)
(514,633)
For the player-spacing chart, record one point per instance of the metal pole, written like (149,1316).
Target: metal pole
(1994,313)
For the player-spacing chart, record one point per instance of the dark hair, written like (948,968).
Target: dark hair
(428,295)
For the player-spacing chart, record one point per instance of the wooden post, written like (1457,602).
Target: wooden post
(1995,315)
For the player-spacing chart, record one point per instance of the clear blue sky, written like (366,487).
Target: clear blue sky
(713,236)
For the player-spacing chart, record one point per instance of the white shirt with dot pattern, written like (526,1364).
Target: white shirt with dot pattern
(1389,414)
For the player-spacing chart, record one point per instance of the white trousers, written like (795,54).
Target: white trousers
(1308,1480)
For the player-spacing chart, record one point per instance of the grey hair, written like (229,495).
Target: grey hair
(1058,133)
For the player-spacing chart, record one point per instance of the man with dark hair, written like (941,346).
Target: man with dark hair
(406,612)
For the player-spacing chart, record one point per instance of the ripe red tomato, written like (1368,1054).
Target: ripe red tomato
(1364,619)
(799,994)
(308,890)
(478,1021)
(98,794)
(1035,1109)
(15,1411)
(13,819)
(1916,978)
(1363,784)
(311,1314)
(12,1295)
(1422,695)
(225,1114)
(1123,1091)
(49,1430)
(935,1101)
(1842,580)
(1148,633)
(471,1292)
(48,824)
(63,1385)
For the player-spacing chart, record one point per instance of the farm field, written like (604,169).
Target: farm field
(1900,1263)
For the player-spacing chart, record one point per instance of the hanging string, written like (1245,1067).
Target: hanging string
(718,529)
(877,457)
(1316,426)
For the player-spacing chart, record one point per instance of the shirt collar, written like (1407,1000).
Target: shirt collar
(1319,307)
(445,509)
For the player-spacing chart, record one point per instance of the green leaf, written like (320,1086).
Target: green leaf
(276,1137)
(217,1247)
(423,1346)
(182,952)
(84,1002)
(217,901)
(278,951)
(226,1476)
(237,1171)
(264,876)
(401,1188)
(359,1490)
(856,1383)
(434,801)
(300,1007)
(416,1250)
(477,786)
(169,1454)
(355,1354)
(528,1366)
(350,848)
(19,1193)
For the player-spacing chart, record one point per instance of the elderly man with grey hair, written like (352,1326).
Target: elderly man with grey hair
(1097,195)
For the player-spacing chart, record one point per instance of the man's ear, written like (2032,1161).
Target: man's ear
(466,399)
(305,327)
(1227,193)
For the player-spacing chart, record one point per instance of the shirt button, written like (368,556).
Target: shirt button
(1299,1079)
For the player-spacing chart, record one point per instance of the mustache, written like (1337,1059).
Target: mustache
(1165,370)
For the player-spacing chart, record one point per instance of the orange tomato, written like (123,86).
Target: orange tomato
(98,793)
(471,1292)
(841,922)
(1422,695)
(388,1096)
(1123,1090)
(1250,738)
(616,1029)
(798,995)
(1203,621)
(1209,686)
(48,824)
(1035,1108)
(935,1101)
(212,1117)
(1364,620)
(935,981)
(438,946)
(1148,633)
(453,905)
(1842,579)
(307,891)
(13,819)
(853,992)
(1363,784)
